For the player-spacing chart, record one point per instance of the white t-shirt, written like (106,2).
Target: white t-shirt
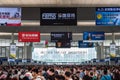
(38,78)
(29,75)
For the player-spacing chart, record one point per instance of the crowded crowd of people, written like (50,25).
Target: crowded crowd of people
(61,72)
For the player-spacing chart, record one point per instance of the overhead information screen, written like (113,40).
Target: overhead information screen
(58,16)
(108,16)
(61,36)
(82,44)
(93,36)
(10,16)
(63,44)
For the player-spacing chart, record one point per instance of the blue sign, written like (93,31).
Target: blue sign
(108,16)
(4,59)
(82,44)
(93,36)
(18,60)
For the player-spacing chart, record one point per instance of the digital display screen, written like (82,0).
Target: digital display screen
(58,16)
(61,36)
(93,36)
(82,44)
(63,44)
(73,54)
(109,16)
(4,59)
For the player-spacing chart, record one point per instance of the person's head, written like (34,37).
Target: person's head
(77,73)
(35,72)
(39,72)
(74,77)
(51,72)
(29,69)
(105,72)
(67,74)
(59,77)
(16,72)
(91,74)
(59,44)
(87,72)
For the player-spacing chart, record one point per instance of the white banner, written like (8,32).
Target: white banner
(63,54)
(112,50)
(13,50)
(10,16)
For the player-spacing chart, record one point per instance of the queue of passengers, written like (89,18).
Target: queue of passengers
(35,72)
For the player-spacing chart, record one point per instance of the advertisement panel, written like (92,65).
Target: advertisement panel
(82,44)
(58,16)
(61,36)
(29,36)
(93,36)
(13,50)
(112,50)
(109,16)
(63,44)
(59,54)
(10,16)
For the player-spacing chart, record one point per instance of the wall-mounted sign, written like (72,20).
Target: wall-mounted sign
(93,36)
(13,50)
(112,50)
(82,44)
(58,16)
(29,36)
(10,16)
(108,16)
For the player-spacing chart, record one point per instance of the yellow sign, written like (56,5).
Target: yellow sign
(99,16)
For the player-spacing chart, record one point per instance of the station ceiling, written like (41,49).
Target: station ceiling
(86,14)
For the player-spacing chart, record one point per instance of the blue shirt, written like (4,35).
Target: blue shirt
(106,77)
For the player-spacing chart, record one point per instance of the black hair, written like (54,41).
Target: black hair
(105,71)
(59,77)
(67,73)
(52,70)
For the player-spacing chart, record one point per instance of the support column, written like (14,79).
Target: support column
(12,41)
(25,51)
(29,51)
(12,37)
(100,51)
(113,38)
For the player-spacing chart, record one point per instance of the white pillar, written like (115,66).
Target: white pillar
(25,51)
(102,51)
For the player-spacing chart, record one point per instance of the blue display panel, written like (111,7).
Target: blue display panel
(3,58)
(82,44)
(108,16)
(58,16)
(93,36)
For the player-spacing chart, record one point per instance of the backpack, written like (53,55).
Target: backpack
(94,78)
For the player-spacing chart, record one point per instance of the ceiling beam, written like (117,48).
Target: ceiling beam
(62,3)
